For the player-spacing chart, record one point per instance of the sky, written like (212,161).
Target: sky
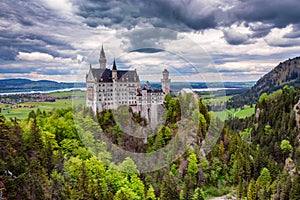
(196,40)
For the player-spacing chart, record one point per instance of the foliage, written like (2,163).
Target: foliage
(52,157)
(285,146)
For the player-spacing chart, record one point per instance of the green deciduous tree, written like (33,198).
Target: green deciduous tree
(286,147)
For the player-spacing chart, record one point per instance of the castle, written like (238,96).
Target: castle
(112,88)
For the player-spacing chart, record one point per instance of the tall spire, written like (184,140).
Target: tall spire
(102,59)
(114,71)
(102,54)
(114,66)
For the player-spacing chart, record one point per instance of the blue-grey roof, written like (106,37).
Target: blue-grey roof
(105,75)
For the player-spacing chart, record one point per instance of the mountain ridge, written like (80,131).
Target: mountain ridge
(285,73)
(20,84)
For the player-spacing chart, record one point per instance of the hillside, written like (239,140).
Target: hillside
(56,157)
(286,73)
(17,85)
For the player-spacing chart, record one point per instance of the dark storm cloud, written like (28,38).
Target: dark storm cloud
(35,26)
(26,13)
(149,38)
(277,12)
(284,43)
(147,50)
(235,38)
(20,32)
(23,17)
(260,30)
(10,47)
(179,15)
(192,15)
(189,14)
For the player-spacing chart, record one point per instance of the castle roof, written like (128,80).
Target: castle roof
(153,90)
(102,75)
(105,75)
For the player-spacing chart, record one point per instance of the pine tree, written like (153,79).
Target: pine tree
(295,191)
(251,193)
(168,189)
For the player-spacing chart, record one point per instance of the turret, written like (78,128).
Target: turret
(165,82)
(147,86)
(102,59)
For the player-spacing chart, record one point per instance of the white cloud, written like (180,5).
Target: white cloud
(276,38)
(64,6)
(35,56)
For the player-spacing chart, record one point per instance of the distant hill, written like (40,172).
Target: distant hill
(286,73)
(17,85)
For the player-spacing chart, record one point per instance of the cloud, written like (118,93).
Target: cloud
(190,15)
(50,36)
(276,12)
(260,29)
(294,33)
(147,50)
(277,38)
(179,15)
(235,38)
(35,56)
(64,6)
(29,26)
(141,38)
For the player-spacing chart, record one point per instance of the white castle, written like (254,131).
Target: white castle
(110,89)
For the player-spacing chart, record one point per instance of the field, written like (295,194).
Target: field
(21,110)
(239,113)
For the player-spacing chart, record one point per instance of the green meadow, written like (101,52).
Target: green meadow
(239,113)
(21,110)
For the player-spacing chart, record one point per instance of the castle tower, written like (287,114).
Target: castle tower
(165,82)
(147,86)
(102,59)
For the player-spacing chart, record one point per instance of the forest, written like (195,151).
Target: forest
(45,156)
